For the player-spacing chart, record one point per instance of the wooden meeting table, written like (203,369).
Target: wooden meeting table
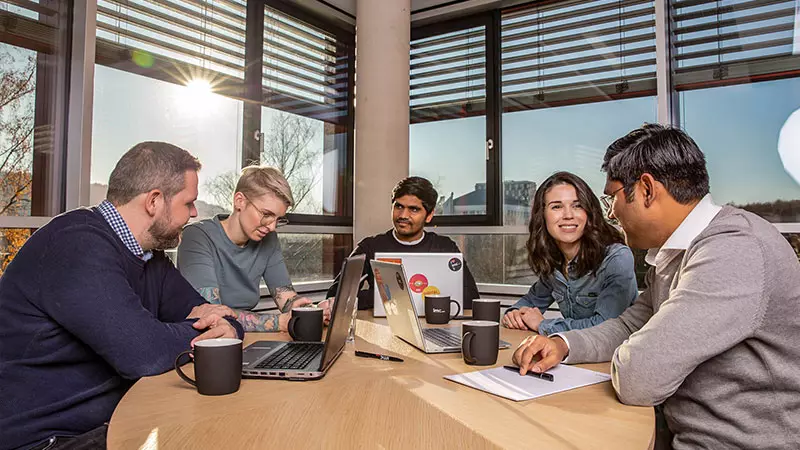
(369,403)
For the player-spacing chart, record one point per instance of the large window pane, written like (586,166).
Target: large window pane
(573,138)
(130,108)
(447,136)
(737,127)
(496,258)
(33,67)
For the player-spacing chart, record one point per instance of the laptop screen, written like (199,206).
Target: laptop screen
(342,309)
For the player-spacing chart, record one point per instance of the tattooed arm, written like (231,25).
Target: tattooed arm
(251,321)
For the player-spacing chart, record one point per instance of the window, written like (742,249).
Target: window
(130,108)
(734,69)
(314,257)
(33,68)
(306,116)
(451,125)
(496,258)
(576,76)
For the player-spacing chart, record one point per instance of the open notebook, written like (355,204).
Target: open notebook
(513,386)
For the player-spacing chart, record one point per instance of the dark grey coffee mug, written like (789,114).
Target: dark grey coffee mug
(306,324)
(480,340)
(217,366)
(486,309)
(437,309)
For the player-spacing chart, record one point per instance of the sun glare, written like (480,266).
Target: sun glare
(196,98)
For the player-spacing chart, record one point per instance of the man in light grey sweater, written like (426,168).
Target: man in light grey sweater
(715,337)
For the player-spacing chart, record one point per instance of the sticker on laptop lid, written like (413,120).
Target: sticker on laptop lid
(454,264)
(418,282)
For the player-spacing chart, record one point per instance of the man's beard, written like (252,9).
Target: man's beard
(162,235)
(410,231)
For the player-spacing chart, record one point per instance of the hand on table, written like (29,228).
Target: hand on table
(513,319)
(216,326)
(539,354)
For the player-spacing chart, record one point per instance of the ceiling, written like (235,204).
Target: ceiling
(349,6)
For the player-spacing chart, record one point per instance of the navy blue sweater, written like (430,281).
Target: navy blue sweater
(81,319)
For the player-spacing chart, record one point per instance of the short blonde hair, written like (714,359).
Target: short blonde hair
(256,181)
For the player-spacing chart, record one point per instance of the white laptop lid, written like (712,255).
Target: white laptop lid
(390,286)
(428,273)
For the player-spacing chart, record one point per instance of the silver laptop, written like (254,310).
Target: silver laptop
(308,360)
(390,281)
(428,273)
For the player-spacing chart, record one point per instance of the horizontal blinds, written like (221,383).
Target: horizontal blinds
(716,41)
(305,69)
(448,75)
(201,35)
(30,24)
(576,51)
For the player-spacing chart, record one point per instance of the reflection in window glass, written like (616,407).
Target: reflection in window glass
(314,257)
(129,109)
(539,142)
(17,110)
(737,127)
(496,258)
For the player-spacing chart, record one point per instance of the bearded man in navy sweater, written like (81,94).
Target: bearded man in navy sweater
(91,303)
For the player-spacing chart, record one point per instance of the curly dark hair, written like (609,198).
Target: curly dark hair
(544,256)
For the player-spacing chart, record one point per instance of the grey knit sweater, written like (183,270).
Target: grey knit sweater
(715,337)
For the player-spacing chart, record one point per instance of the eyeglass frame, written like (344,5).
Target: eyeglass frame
(278,221)
(608,200)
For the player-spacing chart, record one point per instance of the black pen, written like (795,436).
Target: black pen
(544,375)
(377,356)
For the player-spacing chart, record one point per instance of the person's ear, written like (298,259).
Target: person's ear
(429,217)
(649,189)
(238,201)
(153,201)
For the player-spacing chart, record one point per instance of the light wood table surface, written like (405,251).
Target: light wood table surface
(368,403)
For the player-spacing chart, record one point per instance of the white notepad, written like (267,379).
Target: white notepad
(513,386)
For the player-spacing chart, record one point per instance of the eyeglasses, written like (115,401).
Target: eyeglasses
(268,217)
(608,200)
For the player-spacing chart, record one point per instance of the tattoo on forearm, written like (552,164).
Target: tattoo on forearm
(211,294)
(287,307)
(284,296)
(258,322)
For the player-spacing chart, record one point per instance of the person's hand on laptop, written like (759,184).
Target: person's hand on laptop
(200,311)
(539,354)
(215,326)
(513,319)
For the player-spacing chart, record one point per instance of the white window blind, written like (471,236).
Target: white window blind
(577,51)
(448,75)
(717,40)
(305,69)
(200,35)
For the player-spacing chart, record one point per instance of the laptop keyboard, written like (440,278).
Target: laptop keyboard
(292,356)
(442,337)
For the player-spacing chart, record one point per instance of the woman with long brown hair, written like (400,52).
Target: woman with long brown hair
(581,261)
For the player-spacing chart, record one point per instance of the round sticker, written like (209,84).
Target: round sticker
(418,283)
(454,264)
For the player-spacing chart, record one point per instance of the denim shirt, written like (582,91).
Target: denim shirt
(589,300)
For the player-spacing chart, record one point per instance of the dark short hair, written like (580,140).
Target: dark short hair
(418,187)
(544,256)
(148,166)
(666,153)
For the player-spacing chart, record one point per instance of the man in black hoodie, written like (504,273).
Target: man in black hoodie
(413,202)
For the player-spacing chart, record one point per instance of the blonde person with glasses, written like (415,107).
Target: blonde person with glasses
(226,257)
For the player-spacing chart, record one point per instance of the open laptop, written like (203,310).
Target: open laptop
(301,361)
(428,273)
(391,284)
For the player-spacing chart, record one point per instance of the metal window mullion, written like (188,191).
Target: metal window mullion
(666,97)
